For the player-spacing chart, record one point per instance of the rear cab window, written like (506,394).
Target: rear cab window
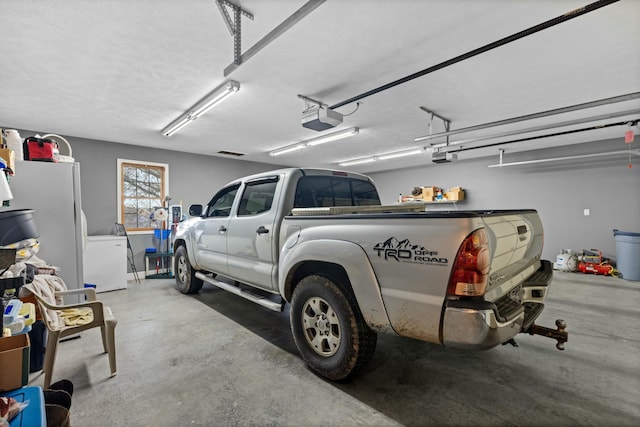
(326,191)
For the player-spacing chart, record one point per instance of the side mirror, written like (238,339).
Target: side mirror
(195,210)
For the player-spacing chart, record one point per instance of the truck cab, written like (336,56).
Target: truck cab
(236,233)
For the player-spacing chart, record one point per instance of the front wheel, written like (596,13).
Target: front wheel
(329,330)
(186,279)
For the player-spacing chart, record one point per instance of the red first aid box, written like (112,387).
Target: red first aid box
(41,150)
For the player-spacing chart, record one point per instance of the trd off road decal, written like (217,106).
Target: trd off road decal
(404,251)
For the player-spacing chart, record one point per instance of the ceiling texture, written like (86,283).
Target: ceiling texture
(122,70)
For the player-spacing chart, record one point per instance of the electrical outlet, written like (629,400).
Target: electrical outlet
(586,212)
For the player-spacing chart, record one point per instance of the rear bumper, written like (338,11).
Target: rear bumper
(481,325)
(472,329)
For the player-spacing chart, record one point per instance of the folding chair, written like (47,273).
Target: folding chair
(121,231)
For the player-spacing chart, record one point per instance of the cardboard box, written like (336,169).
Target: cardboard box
(455,194)
(10,157)
(425,193)
(14,362)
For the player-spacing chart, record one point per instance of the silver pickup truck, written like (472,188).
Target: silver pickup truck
(351,268)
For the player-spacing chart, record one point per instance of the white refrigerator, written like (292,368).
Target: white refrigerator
(53,191)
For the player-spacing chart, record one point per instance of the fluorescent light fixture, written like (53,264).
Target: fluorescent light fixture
(287,149)
(332,136)
(557,159)
(177,125)
(358,161)
(387,156)
(205,104)
(316,141)
(401,154)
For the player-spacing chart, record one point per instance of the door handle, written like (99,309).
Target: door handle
(262,230)
(222,229)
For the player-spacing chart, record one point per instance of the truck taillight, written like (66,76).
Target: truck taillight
(471,266)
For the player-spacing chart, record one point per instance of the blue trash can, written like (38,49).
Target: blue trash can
(628,254)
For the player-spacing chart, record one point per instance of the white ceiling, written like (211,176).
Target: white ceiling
(121,70)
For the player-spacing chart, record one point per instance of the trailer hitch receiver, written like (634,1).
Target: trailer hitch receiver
(559,334)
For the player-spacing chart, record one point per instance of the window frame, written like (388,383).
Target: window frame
(245,198)
(164,188)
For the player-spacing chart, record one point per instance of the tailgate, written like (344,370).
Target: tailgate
(516,241)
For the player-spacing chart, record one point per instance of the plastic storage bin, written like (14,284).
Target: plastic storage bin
(160,239)
(34,414)
(628,254)
(11,310)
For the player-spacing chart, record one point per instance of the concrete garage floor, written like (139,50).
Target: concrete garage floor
(215,359)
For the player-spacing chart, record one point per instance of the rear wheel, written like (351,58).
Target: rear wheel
(329,330)
(186,279)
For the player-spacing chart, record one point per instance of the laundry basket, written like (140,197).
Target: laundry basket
(66,154)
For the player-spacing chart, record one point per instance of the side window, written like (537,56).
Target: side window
(257,197)
(220,205)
